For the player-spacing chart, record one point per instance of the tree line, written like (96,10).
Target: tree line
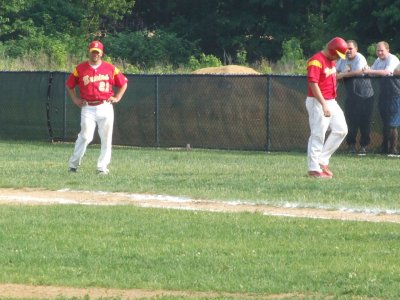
(144,33)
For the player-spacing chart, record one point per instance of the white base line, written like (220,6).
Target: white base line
(68,197)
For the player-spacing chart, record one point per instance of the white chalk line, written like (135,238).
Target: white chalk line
(189,204)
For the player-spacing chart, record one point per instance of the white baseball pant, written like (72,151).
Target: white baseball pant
(320,151)
(103,116)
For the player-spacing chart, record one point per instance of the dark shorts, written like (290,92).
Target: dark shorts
(394,112)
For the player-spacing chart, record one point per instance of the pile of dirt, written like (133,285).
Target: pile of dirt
(229,69)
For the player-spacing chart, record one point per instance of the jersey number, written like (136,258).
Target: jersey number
(104,86)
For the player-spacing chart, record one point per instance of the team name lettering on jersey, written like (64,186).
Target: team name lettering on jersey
(329,72)
(88,79)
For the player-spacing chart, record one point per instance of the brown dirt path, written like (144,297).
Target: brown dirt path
(52,292)
(45,197)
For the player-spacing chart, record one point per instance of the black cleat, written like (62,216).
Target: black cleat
(102,172)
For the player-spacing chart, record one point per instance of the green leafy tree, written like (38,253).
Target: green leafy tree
(292,60)
(149,48)
(366,21)
(204,61)
(88,18)
(224,27)
(104,15)
(371,53)
(387,15)
(13,20)
(244,32)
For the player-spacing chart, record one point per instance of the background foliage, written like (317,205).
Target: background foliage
(143,34)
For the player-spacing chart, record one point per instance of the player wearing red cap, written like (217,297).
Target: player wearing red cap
(95,79)
(323,110)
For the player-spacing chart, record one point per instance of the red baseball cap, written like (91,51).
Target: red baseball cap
(96,46)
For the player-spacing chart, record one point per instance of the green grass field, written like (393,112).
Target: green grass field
(129,247)
(370,182)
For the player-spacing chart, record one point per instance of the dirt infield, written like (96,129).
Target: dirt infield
(52,292)
(65,197)
(45,197)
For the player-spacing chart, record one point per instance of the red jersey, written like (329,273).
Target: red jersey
(322,71)
(96,83)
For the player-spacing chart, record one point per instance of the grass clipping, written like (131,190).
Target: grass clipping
(230,69)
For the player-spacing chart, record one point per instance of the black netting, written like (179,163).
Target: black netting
(240,112)
(226,112)
(23,105)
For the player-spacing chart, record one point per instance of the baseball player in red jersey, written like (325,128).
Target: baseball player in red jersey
(95,79)
(323,110)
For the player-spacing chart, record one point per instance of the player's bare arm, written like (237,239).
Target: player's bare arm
(118,96)
(318,95)
(77,101)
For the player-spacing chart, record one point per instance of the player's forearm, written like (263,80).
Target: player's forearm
(77,101)
(120,93)
(316,91)
(72,94)
(320,98)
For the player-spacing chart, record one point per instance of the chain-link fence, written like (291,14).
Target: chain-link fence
(238,112)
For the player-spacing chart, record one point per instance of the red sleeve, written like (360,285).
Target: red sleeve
(119,78)
(314,68)
(73,79)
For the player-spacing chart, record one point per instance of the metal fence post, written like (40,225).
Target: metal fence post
(268,114)
(48,107)
(65,109)
(157,112)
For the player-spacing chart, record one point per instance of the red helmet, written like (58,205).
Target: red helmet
(337,46)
